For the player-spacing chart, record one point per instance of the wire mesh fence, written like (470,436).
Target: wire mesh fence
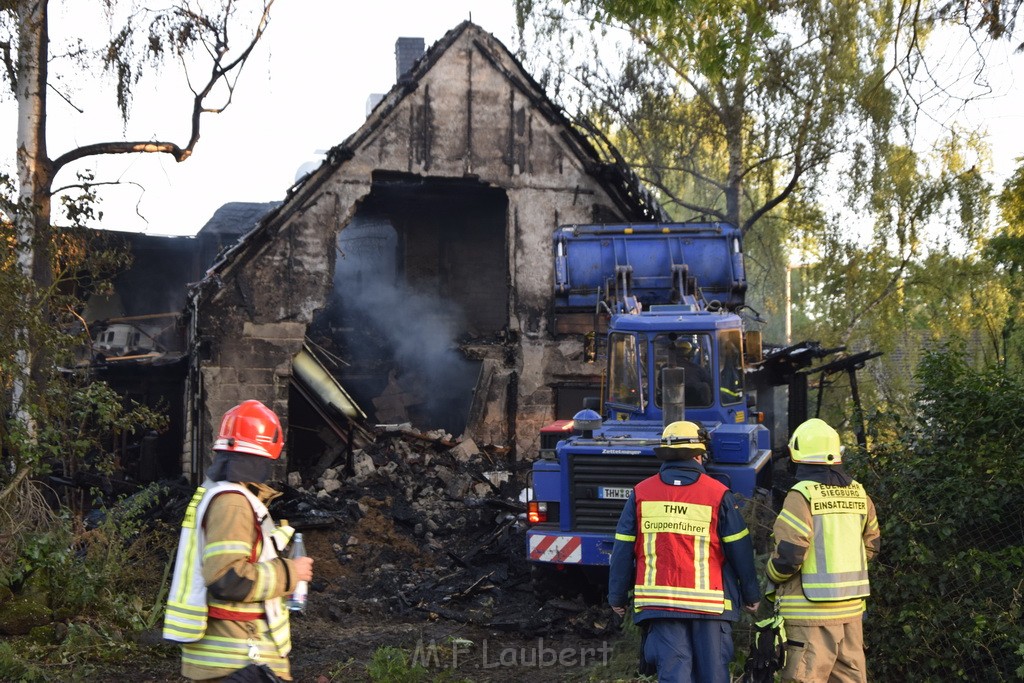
(947,589)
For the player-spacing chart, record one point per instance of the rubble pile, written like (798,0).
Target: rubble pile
(427,527)
(419,527)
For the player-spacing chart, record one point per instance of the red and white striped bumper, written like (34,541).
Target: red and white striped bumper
(557,549)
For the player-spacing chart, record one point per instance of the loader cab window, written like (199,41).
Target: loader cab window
(626,381)
(730,366)
(692,352)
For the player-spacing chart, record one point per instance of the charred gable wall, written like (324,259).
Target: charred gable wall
(466,122)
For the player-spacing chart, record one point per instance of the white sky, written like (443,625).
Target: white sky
(305,89)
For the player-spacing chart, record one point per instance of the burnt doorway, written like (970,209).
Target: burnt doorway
(421,269)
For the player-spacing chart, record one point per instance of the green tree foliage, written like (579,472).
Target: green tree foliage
(903,269)
(49,566)
(56,418)
(74,417)
(946,590)
(918,224)
(35,61)
(794,121)
(729,108)
(1004,254)
(783,118)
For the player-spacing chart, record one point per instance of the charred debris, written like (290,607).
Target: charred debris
(420,526)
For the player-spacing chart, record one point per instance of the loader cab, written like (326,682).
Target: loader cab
(708,347)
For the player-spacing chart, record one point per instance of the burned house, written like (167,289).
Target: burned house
(138,341)
(410,275)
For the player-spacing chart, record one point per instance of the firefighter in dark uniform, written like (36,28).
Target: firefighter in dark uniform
(685,551)
(697,379)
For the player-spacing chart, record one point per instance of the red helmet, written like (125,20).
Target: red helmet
(252,428)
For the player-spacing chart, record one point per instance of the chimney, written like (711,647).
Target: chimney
(407,51)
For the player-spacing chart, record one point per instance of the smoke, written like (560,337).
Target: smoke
(406,333)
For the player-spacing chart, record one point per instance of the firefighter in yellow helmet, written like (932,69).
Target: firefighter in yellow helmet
(684,550)
(824,536)
(225,604)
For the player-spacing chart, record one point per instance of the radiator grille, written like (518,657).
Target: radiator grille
(587,473)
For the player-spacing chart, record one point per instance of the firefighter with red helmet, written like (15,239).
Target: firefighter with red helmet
(684,550)
(824,536)
(225,604)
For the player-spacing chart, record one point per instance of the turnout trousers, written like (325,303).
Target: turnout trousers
(830,653)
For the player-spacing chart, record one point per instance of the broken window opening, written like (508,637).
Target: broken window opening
(421,269)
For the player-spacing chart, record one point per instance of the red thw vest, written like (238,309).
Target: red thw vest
(678,551)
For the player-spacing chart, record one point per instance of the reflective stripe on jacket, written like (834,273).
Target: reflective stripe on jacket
(678,551)
(229,646)
(187,617)
(824,537)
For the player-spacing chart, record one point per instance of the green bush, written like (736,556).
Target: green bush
(947,586)
(97,588)
(14,666)
(56,418)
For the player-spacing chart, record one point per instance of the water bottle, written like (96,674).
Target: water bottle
(297,600)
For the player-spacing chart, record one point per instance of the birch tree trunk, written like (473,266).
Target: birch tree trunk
(34,177)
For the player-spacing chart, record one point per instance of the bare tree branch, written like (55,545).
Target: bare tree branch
(65,98)
(220,73)
(179,153)
(86,186)
(15,482)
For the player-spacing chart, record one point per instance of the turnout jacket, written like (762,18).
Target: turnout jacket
(225,603)
(727,550)
(825,535)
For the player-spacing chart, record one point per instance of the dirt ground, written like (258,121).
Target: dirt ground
(482,622)
(450,651)
(325,651)
(493,632)
(421,547)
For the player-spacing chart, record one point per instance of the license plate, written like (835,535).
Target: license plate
(613,493)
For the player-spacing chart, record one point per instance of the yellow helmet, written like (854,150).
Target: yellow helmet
(814,442)
(681,441)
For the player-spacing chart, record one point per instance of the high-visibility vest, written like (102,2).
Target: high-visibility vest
(678,551)
(187,604)
(836,565)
